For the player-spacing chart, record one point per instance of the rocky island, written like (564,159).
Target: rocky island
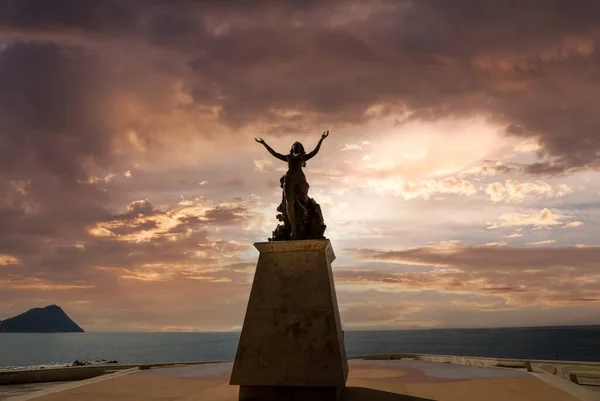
(51,319)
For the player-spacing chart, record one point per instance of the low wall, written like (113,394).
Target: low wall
(51,375)
(76,373)
(569,370)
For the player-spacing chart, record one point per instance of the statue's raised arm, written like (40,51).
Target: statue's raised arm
(312,154)
(270,149)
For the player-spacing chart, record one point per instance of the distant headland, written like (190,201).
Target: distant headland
(51,319)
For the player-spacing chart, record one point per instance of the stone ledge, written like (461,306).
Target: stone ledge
(293,246)
(51,375)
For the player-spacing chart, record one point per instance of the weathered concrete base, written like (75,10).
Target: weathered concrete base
(281,393)
(292,341)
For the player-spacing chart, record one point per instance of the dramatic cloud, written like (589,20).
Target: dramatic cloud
(545,242)
(345,59)
(546,218)
(513,235)
(8,260)
(426,189)
(554,276)
(131,185)
(573,224)
(515,191)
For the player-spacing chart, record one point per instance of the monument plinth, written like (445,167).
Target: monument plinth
(292,345)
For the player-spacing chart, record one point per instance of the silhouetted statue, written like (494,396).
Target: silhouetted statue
(301,216)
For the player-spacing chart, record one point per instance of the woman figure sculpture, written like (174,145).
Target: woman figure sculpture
(301,215)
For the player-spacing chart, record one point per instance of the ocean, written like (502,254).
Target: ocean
(580,343)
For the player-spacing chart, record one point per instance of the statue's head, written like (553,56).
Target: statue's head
(297,148)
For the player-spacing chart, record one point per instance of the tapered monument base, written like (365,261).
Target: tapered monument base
(292,346)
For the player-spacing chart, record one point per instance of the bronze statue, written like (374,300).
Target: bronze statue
(301,215)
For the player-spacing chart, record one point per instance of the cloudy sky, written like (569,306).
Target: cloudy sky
(460,181)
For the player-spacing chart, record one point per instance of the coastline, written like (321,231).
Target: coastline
(57,350)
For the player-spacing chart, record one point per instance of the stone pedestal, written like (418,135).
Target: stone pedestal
(291,346)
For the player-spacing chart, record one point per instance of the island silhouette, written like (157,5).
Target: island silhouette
(51,319)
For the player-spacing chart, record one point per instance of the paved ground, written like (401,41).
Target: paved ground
(402,380)
(7,392)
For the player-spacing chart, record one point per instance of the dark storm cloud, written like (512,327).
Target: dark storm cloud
(53,108)
(529,64)
(59,120)
(226,215)
(68,15)
(54,120)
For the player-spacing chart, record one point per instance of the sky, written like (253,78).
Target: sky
(459,182)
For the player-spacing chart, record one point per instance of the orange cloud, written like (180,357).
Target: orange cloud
(515,191)
(542,276)
(545,219)
(6,260)
(544,242)
(43,285)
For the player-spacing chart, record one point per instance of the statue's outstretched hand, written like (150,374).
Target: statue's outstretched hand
(325,134)
(260,140)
